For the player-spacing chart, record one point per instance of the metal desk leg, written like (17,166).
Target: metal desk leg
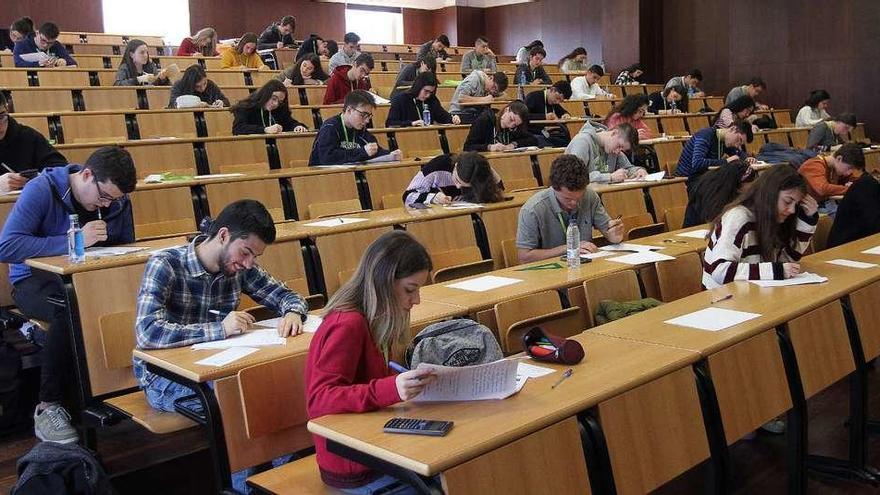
(596,454)
(213,425)
(720,460)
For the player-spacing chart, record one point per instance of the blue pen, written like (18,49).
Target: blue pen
(396,367)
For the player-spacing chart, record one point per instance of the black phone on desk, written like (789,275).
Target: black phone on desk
(414,426)
(29,173)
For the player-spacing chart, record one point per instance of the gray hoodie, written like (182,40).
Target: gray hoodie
(586,146)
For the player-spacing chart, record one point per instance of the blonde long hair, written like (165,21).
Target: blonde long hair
(370,291)
(206,34)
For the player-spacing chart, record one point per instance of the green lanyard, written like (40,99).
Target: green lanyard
(344,130)
(562,224)
(418,110)
(263,118)
(545,104)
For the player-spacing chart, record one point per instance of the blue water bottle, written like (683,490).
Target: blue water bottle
(76,244)
(426,114)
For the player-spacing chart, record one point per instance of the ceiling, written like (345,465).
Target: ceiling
(430,4)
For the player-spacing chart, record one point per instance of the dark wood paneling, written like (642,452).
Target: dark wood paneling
(471,22)
(445,21)
(84,15)
(418,25)
(620,33)
(231,20)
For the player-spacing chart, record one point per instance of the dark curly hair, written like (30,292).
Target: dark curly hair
(570,172)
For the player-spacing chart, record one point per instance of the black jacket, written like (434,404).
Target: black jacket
(256,120)
(858,214)
(656,103)
(271,36)
(405,109)
(531,75)
(483,133)
(212,93)
(328,146)
(538,108)
(24,148)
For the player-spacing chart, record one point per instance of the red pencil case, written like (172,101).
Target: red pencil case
(543,346)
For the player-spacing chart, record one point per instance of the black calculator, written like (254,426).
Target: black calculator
(415,426)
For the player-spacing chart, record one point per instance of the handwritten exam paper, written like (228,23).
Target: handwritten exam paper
(597,254)
(695,234)
(311,325)
(482,284)
(800,279)
(335,222)
(253,338)
(712,319)
(496,380)
(227,356)
(641,258)
(852,263)
(624,246)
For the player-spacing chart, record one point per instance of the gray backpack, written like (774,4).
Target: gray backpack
(453,343)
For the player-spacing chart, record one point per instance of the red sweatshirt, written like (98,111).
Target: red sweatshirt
(345,373)
(338,86)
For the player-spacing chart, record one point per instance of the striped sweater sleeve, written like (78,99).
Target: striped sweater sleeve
(805,227)
(734,254)
(423,188)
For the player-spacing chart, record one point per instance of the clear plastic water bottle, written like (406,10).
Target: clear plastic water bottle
(522,78)
(426,114)
(573,243)
(76,244)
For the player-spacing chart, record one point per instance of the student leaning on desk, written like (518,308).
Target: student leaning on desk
(347,369)
(37,226)
(763,233)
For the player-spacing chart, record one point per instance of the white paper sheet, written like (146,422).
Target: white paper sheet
(712,319)
(216,176)
(101,252)
(598,254)
(625,246)
(311,325)
(253,338)
(532,371)
(695,234)
(335,222)
(495,380)
(379,100)
(522,148)
(852,263)
(800,279)
(641,258)
(485,283)
(655,177)
(384,158)
(873,250)
(227,356)
(35,57)
(461,205)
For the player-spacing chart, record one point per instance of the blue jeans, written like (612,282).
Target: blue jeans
(385,485)
(161,394)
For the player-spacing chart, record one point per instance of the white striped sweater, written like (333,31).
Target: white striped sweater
(733,252)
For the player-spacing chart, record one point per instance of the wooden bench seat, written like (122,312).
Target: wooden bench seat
(300,477)
(135,406)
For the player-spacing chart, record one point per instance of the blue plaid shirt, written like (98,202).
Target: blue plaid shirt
(177,294)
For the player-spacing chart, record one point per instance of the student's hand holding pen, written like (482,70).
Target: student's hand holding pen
(615,230)
(291,325)
(237,322)
(371,148)
(94,232)
(410,383)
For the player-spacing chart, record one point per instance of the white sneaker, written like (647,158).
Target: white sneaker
(774,426)
(52,424)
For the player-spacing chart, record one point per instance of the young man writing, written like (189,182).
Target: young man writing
(832,175)
(480,58)
(347,78)
(190,294)
(478,88)
(543,219)
(587,86)
(21,148)
(533,69)
(345,138)
(349,52)
(38,227)
(712,148)
(602,150)
(435,47)
(753,88)
(278,35)
(45,42)
(545,105)
(691,81)
(825,135)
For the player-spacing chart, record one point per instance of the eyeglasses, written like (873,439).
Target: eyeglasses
(364,115)
(46,41)
(4,116)
(104,197)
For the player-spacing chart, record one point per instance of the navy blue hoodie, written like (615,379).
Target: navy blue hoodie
(327,148)
(38,223)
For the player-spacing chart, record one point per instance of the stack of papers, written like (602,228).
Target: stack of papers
(485,283)
(800,279)
(254,338)
(495,380)
(695,234)
(641,258)
(103,252)
(712,319)
(227,356)
(629,247)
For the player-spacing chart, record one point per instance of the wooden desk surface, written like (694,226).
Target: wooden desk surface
(62,266)
(605,187)
(612,366)
(672,238)
(775,305)
(532,280)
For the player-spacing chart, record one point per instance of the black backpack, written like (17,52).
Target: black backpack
(57,468)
